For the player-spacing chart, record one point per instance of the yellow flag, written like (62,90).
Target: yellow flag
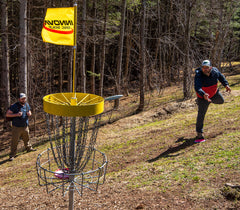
(58,26)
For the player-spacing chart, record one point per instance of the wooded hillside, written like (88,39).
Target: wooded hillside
(122,46)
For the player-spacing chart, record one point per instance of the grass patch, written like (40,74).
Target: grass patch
(178,167)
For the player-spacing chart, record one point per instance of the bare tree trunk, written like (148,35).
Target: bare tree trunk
(47,68)
(128,50)
(60,69)
(142,57)
(158,58)
(5,83)
(187,71)
(120,52)
(225,16)
(70,72)
(23,47)
(103,54)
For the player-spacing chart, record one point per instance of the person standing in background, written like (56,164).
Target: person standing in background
(19,112)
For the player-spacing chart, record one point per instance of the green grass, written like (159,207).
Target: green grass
(195,167)
(188,170)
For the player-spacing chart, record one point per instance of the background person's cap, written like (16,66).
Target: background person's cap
(206,63)
(22,95)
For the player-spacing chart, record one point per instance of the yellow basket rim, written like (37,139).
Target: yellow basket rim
(73,104)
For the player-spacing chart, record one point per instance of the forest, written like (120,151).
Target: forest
(123,46)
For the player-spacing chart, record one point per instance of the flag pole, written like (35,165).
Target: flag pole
(74,99)
(74,48)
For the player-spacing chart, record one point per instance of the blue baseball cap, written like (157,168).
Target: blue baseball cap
(206,63)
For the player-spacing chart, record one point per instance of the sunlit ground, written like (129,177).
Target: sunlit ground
(227,64)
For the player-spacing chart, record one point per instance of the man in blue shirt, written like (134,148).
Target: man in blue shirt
(20,111)
(206,87)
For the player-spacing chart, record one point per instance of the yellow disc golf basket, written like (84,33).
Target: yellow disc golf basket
(72,162)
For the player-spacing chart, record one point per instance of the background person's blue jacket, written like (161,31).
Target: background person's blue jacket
(23,120)
(208,84)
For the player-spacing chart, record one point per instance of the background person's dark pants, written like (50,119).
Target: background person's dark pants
(203,107)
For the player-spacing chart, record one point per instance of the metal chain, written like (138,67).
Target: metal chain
(65,153)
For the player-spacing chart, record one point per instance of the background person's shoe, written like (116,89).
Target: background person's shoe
(11,159)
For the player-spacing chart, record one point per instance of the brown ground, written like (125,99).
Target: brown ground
(14,194)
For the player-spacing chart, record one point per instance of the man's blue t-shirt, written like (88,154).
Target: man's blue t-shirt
(23,120)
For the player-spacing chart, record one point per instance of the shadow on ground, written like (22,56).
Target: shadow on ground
(4,161)
(169,153)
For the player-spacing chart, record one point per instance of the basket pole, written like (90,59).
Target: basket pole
(72,141)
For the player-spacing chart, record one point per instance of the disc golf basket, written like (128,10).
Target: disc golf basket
(72,162)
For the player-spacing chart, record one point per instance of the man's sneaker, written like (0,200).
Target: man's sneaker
(200,140)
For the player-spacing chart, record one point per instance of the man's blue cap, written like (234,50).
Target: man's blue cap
(206,63)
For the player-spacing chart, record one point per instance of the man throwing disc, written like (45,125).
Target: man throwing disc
(206,87)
